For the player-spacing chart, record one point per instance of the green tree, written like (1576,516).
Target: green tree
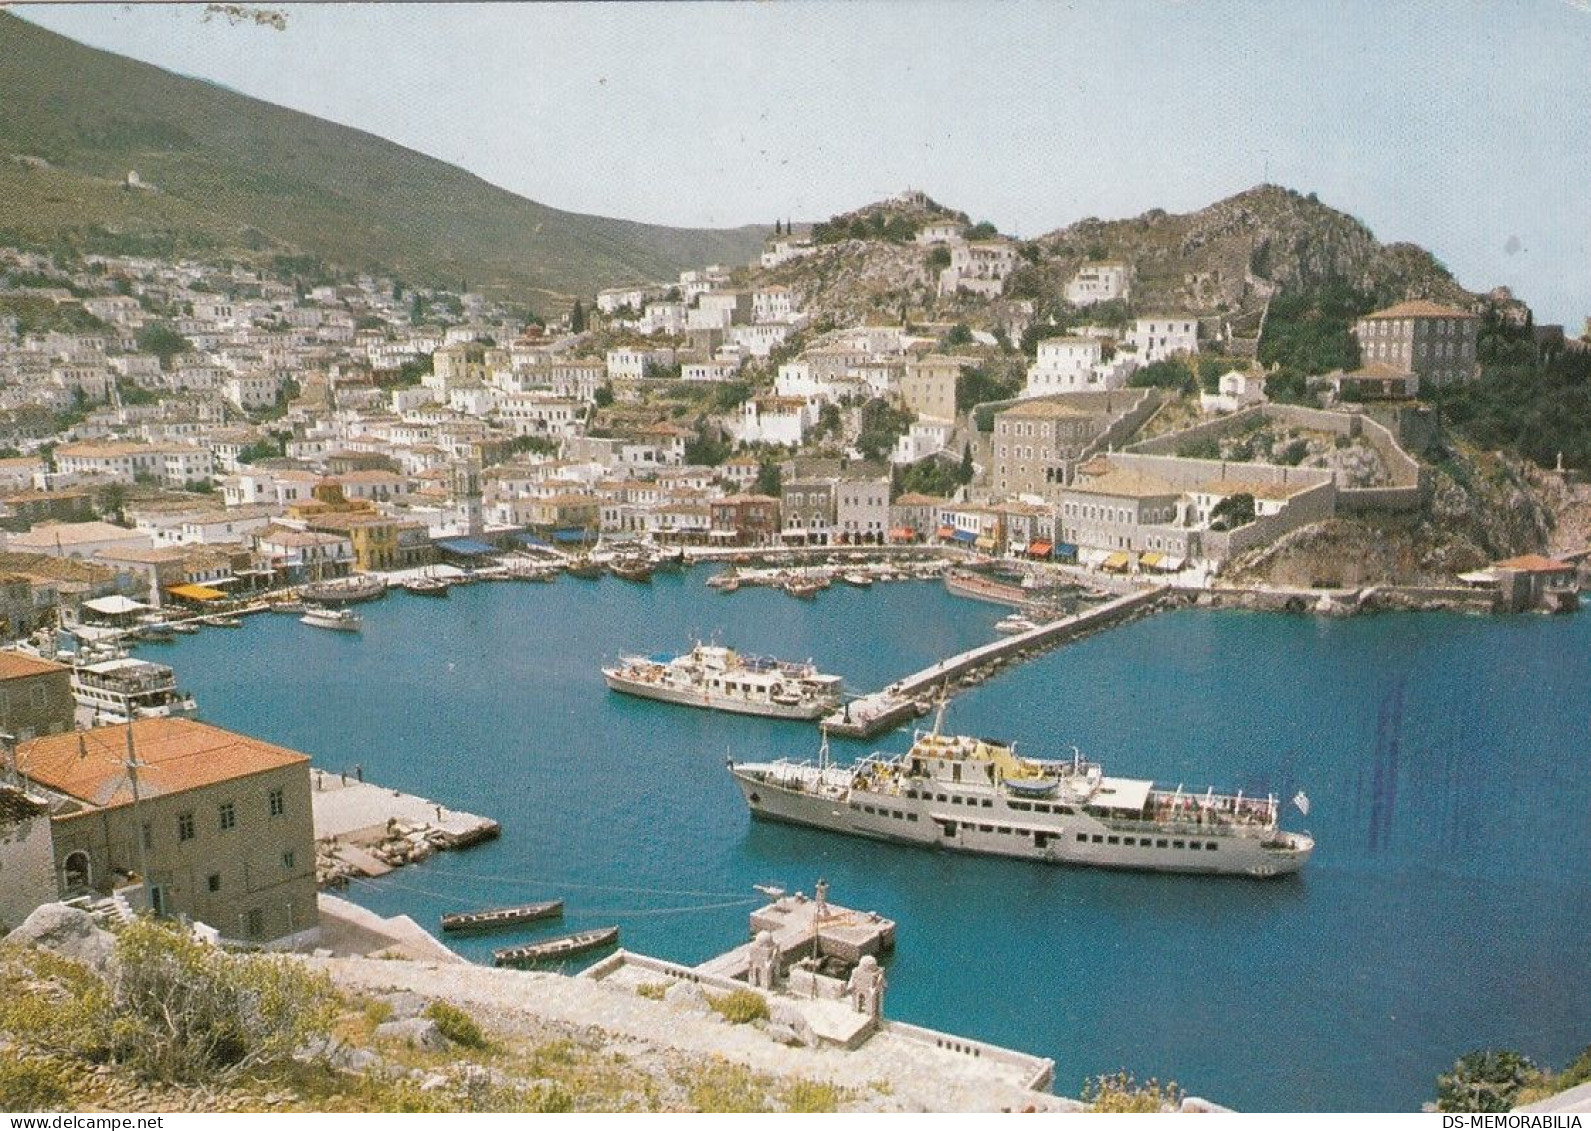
(603,397)
(1232,512)
(162,340)
(577,318)
(1172,373)
(978,384)
(939,257)
(882,425)
(768,479)
(982,230)
(967,467)
(960,335)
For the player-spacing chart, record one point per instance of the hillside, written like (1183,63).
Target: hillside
(233,175)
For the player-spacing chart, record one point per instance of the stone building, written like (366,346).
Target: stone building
(35,696)
(1435,342)
(928,386)
(1036,443)
(27,856)
(221,821)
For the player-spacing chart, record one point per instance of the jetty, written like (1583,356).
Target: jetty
(364,829)
(880,711)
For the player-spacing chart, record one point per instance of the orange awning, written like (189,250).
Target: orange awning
(902,534)
(196,592)
(947,532)
(1039,549)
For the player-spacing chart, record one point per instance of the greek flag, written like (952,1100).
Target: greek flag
(1301,799)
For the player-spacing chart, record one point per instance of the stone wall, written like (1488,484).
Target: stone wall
(27,857)
(1316,504)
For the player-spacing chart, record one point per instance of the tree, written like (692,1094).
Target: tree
(982,230)
(939,257)
(1172,373)
(707,448)
(960,335)
(977,384)
(577,318)
(882,425)
(1232,512)
(967,468)
(603,397)
(769,479)
(162,340)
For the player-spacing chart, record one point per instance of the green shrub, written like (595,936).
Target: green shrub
(652,990)
(1487,1080)
(725,1087)
(33,1085)
(456,1025)
(183,1010)
(1120,1092)
(739,1007)
(811,1096)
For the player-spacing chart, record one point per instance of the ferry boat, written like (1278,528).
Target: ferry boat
(977,795)
(342,620)
(121,690)
(721,679)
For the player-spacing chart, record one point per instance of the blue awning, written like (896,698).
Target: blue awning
(527,539)
(965,536)
(569,536)
(466,547)
(1064,550)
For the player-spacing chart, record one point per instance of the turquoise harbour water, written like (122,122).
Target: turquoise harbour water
(1447,908)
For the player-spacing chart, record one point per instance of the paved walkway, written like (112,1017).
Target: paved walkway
(915,1076)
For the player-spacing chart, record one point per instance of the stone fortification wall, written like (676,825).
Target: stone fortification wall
(1126,424)
(1187,474)
(1410,482)
(1316,504)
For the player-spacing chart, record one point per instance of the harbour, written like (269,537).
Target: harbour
(492,700)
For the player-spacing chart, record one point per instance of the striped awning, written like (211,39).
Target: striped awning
(1151,559)
(1039,549)
(195,592)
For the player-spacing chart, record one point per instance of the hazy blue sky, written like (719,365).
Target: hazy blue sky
(1465,127)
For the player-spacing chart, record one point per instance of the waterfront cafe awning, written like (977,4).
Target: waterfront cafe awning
(1039,549)
(946,532)
(986,542)
(196,592)
(1018,547)
(465,547)
(525,538)
(569,536)
(903,534)
(113,606)
(1116,562)
(1150,560)
(1064,550)
(964,535)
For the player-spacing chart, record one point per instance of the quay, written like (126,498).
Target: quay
(872,714)
(364,829)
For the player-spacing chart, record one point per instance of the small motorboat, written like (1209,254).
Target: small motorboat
(494,918)
(426,586)
(564,946)
(1014,624)
(802,587)
(339,620)
(219,621)
(860,580)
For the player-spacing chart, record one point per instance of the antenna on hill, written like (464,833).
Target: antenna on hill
(131,764)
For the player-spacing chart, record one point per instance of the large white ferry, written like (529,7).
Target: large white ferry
(721,679)
(977,795)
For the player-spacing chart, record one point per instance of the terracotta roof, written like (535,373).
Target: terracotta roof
(1420,308)
(14,665)
(176,755)
(1534,563)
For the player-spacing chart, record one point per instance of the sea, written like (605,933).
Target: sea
(1443,759)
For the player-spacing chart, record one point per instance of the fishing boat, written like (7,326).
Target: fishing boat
(340,620)
(584,568)
(631,569)
(721,679)
(426,586)
(1014,624)
(184,627)
(564,946)
(219,621)
(348,591)
(860,580)
(803,587)
(977,795)
(494,918)
(156,633)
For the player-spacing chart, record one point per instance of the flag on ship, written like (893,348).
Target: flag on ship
(1301,799)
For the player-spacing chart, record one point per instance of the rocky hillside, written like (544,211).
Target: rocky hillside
(1225,259)
(1482,508)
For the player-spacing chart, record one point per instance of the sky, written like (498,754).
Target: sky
(1462,126)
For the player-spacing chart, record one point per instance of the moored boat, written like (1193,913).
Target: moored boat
(427,586)
(340,620)
(631,569)
(977,795)
(495,918)
(1014,624)
(347,591)
(720,679)
(564,946)
(584,568)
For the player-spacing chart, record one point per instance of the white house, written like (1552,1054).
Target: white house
(1237,390)
(979,267)
(773,420)
(1162,336)
(713,370)
(773,304)
(1099,282)
(939,231)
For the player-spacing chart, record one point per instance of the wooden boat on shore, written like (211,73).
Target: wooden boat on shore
(494,918)
(564,946)
(632,569)
(427,586)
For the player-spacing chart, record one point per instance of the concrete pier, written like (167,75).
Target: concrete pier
(872,714)
(367,829)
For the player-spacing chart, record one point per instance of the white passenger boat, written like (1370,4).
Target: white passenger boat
(342,620)
(976,795)
(721,679)
(125,689)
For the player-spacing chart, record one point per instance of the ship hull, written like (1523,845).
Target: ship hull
(996,830)
(685,697)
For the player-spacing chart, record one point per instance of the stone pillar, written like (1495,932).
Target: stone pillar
(866,988)
(764,968)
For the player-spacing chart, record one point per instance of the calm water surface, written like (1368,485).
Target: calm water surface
(1448,906)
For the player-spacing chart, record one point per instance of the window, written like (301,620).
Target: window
(185,826)
(1211,846)
(1113,840)
(229,816)
(1177,844)
(278,803)
(1082,838)
(215,881)
(288,860)
(148,835)
(256,923)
